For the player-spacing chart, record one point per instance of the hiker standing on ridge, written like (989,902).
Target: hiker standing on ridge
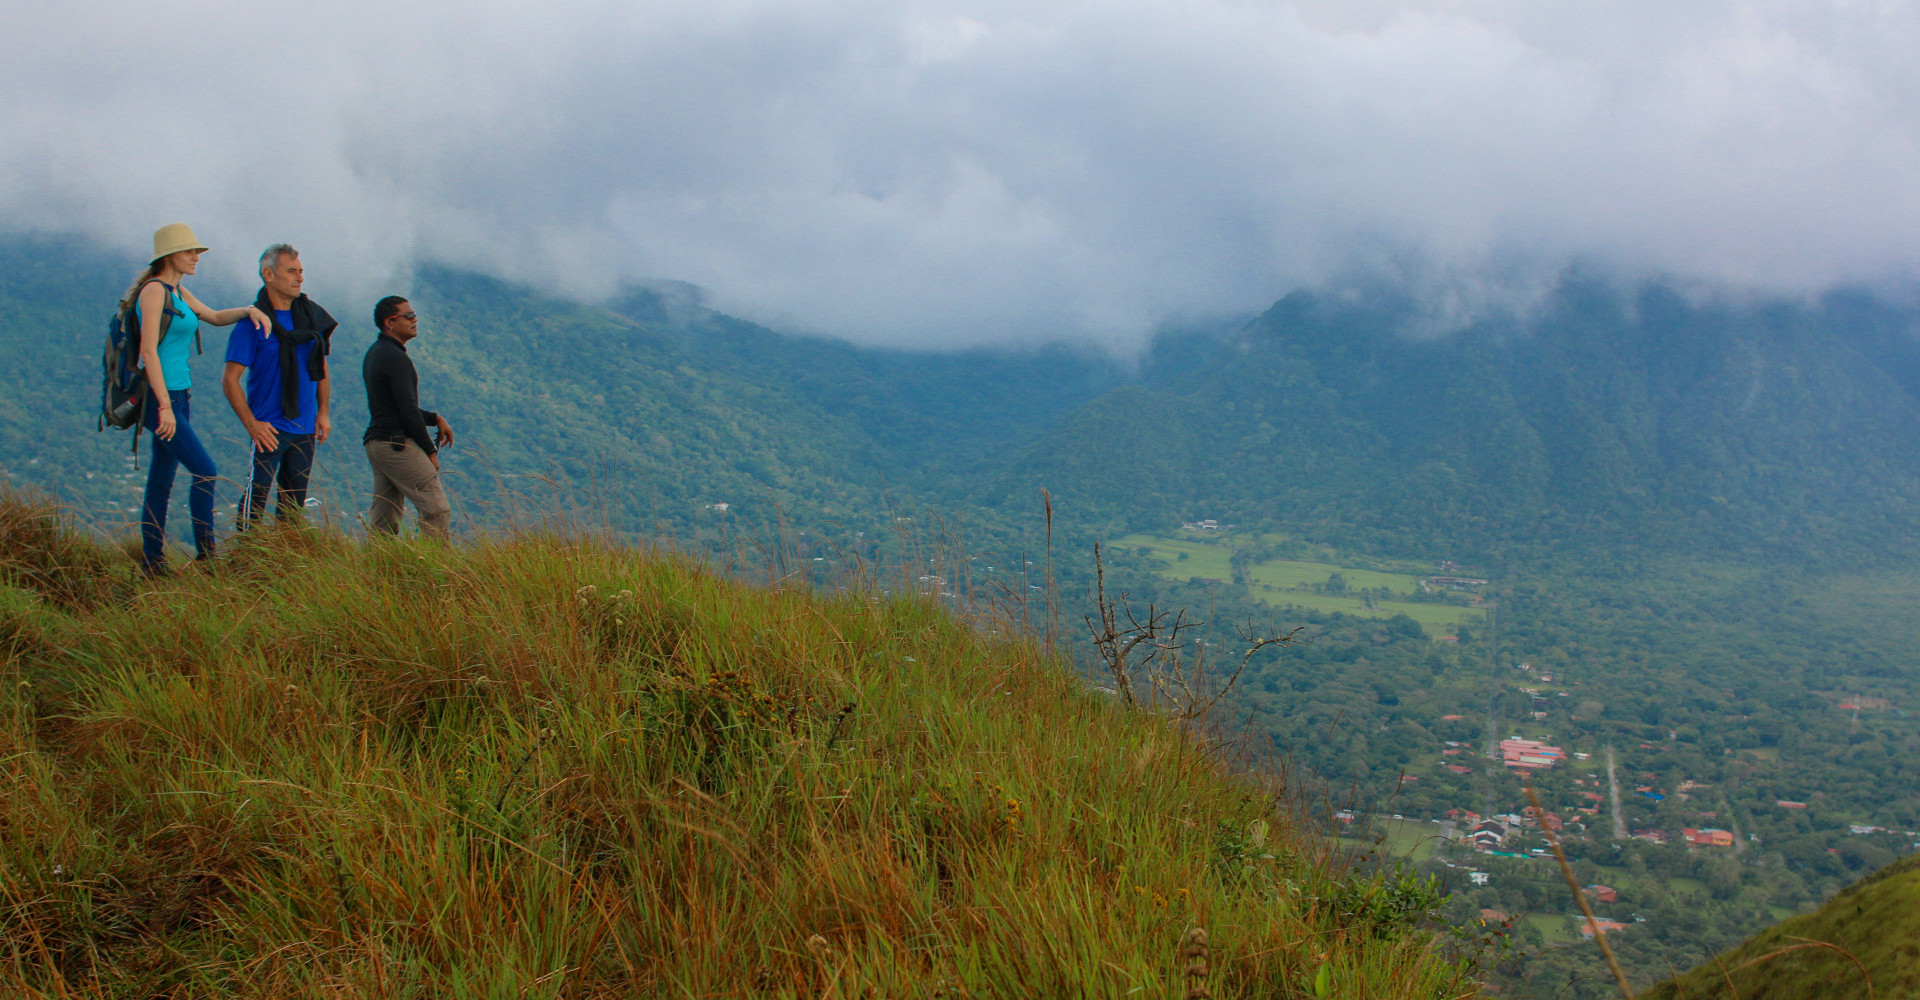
(406,463)
(286,404)
(170,318)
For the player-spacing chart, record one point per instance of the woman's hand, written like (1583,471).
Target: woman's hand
(164,427)
(266,325)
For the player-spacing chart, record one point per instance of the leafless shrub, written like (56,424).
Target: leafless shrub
(1154,660)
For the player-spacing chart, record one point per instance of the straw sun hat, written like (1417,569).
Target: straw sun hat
(173,238)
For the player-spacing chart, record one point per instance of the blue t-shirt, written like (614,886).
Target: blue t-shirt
(176,348)
(249,345)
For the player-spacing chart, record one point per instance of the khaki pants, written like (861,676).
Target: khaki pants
(403,472)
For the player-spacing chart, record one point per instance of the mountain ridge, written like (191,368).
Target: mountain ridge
(1767,429)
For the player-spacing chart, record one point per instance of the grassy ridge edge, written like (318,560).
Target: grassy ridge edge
(550,767)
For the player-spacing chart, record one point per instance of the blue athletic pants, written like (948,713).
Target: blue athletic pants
(185,449)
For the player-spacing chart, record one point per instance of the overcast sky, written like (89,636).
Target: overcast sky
(953,172)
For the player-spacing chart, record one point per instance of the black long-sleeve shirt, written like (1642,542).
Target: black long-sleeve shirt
(393,395)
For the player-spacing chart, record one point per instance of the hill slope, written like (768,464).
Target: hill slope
(1876,920)
(1608,418)
(656,404)
(549,768)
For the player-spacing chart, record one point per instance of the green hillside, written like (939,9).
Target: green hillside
(647,411)
(1604,419)
(1874,926)
(546,766)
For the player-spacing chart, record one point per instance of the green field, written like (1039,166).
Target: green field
(1415,840)
(1282,582)
(1288,573)
(1556,930)
(1436,618)
(1206,560)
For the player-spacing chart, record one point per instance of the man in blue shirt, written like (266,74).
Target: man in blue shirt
(284,405)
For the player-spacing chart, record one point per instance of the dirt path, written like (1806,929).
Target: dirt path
(1613,785)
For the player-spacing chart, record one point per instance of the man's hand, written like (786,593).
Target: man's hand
(442,432)
(265,438)
(322,426)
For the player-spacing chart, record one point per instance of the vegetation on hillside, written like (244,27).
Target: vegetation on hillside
(1863,942)
(547,766)
(1605,419)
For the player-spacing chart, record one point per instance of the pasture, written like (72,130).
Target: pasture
(1299,583)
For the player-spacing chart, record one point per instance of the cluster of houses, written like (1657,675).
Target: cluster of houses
(1490,833)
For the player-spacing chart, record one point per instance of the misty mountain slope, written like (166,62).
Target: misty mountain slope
(935,416)
(1610,417)
(661,412)
(556,385)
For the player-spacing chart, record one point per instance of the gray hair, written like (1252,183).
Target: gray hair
(270,257)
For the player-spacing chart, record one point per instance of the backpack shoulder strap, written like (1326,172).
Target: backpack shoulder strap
(167,314)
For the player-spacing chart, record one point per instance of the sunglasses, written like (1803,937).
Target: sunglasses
(403,316)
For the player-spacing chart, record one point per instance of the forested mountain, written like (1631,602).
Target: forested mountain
(1603,418)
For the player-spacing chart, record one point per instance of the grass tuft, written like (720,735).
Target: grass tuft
(544,766)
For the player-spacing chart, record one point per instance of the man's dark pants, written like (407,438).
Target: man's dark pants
(288,466)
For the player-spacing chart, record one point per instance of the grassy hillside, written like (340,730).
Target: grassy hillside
(549,767)
(1875,925)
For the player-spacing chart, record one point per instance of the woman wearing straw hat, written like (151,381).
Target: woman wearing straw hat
(156,292)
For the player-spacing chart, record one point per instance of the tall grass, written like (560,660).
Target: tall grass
(544,766)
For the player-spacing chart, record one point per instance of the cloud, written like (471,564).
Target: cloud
(946,173)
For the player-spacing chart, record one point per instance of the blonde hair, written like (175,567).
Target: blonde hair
(148,273)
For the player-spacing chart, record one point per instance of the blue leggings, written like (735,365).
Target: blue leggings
(185,449)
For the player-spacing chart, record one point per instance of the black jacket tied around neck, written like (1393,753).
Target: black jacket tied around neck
(310,324)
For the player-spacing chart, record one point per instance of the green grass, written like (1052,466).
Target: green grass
(1434,617)
(1289,574)
(1691,886)
(1555,930)
(548,767)
(1413,840)
(1281,582)
(1872,926)
(1205,559)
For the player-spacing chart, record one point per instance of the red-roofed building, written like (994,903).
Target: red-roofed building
(1609,926)
(1707,837)
(1529,755)
(1459,769)
(1788,804)
(1603,894)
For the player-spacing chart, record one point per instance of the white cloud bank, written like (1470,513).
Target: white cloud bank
(951,172)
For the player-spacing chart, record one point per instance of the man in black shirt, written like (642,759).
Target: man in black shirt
(406,462)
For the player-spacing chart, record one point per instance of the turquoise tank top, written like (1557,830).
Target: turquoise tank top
(176,348)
